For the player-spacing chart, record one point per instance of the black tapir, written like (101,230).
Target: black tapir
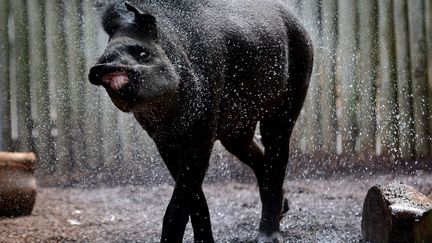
(196,71)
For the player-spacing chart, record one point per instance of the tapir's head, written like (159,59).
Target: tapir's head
(134,68)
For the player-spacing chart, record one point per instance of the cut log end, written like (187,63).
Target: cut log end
(391,211)
(422,229)
(18,160)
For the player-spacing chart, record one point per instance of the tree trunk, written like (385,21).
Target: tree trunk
(390,211)
(405,98)
(368,75)
(387,122)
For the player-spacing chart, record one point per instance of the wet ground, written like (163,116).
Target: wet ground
(320,211)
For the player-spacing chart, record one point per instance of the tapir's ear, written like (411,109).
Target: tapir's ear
(112,19)
(144,20)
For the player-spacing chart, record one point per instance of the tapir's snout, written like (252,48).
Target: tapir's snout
(95,75)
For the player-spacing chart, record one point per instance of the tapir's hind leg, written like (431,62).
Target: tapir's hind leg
(276,131)
(276,128)
(269,170)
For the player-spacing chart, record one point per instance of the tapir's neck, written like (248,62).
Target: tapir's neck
(155,114)
(175,118)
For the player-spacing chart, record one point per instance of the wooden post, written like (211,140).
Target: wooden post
(418,74)
(346,56)
(387,88)
(368,75)
(405,98)
(329,39)
(5,122)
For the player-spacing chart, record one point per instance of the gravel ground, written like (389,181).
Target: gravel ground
(320,211)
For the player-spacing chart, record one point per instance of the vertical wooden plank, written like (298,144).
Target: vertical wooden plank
(76,79)
(5,122)
(24,119)
(125,151)
(311,16)
(92,94)
(298,138)
(109,124)
(39,86)
(142,150)
(387,120)
(405,98)
(296,6)
(428,21)
(347,30)
(329,39)
(368,73)
(418,74)
(58,79)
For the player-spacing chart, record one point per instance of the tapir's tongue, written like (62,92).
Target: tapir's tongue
(116,80)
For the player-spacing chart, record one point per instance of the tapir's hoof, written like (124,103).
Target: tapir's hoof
(275,237)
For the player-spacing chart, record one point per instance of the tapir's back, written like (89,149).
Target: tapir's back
(222,34)
(256,36)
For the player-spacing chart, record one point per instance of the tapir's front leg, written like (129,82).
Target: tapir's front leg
(188,167)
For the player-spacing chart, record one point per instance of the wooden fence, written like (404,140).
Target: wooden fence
(369,101)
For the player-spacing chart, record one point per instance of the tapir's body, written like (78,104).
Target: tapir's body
(196,71)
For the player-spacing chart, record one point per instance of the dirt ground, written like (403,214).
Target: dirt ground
(320,211)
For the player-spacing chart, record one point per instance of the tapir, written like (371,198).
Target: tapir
(196,71)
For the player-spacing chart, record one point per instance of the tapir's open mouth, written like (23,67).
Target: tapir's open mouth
(114,76)
(116,80)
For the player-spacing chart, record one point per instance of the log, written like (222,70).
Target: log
(17,184)
(396,213)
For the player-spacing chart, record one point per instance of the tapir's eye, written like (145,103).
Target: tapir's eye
(140,53)
(144,55)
